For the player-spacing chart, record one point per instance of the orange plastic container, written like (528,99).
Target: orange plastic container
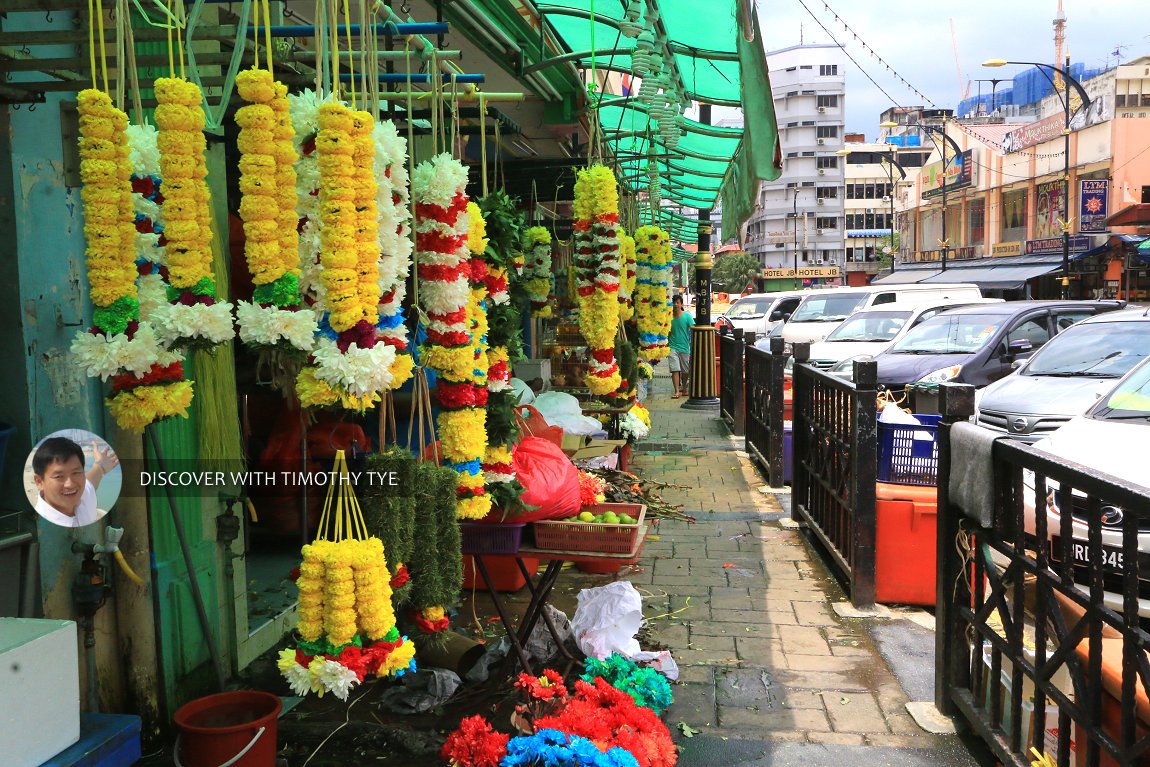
(505,575)
(905,549)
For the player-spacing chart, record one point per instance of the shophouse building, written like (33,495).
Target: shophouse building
(1012,190)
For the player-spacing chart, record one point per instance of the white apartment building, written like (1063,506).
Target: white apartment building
(799,220)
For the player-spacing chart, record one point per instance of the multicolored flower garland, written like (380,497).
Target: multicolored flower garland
(193,317)
(652,291)
(273,317)
(346,621)
(627,271)
(394,243)
(147,382)
(442,227)
(597,272)
(539,282)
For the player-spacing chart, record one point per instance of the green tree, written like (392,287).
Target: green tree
(735,271)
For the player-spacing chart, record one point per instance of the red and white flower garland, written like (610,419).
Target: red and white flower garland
(597,273)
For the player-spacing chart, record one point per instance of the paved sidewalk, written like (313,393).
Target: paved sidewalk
(770,674)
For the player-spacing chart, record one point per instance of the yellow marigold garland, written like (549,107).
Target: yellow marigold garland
(339,251)
(652,292)
(627,276)
(539,282)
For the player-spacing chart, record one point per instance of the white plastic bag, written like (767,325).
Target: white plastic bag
(607,619)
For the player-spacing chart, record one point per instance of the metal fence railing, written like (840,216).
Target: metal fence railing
(764,408)
(1040,643)
(834,439)
(731,405)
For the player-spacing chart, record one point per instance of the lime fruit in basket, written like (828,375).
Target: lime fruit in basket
(626,519)
(587,516)
(598,518)
(611,518)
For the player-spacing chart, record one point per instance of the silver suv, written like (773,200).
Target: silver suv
(1065,376)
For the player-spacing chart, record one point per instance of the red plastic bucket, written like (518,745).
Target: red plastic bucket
(230,729)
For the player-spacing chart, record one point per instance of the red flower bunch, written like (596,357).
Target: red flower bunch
(546,687)
(590,489)
(610,717)
(453,396)
(474,744)
(428,626)
(400,578)
(157,375)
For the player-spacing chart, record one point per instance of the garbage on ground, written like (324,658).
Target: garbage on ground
(607,620)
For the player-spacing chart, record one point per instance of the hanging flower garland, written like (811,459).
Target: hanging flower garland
(193,317)
(437,562)
(442,228)
(303,110)
(346,621)
(652,291)
(273,318)
(471,489)
(147,198)
(147,381)
(394,243)
(597,272)
(504,225)
(628,274)
(350,364)
(539,282)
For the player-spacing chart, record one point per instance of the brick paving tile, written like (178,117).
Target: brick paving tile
(672,636)
(799,662)
(714,644)
(772,719)
(761,651)
(745,617)
(854,713)
(823,680)
(730,601)
(815,614)
(694,704)
(905,741)
(737,630)
(697,675)
(836,738)
(803,640)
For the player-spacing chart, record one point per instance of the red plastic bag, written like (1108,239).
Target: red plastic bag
(550,481)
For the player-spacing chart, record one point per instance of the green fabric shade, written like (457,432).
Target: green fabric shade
(708,59)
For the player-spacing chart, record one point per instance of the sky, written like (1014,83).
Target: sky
(914,39)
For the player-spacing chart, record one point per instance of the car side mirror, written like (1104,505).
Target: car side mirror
(777,315)
(1019,346)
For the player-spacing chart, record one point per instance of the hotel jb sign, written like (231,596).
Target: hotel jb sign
(805,273)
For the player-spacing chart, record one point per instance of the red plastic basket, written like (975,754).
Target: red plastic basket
(491,539)
(596,537)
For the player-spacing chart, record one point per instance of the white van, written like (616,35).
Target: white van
(761,312)
(819,314)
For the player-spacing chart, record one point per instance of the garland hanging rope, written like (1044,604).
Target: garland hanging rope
(597,272)
(346,619)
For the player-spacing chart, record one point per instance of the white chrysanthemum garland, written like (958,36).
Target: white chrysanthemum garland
(304,111)
(539,282)
(392,203)
(632,427)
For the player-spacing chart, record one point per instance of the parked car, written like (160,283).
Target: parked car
(762,312)
(1110,437)
(979,344)
(1066,376)
(821,313)
(869,332)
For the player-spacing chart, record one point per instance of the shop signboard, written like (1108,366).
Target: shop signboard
(1054,245)
(1100,110)
(960,173)
(803,272)
(1006,248)
(1094,194)
(1051,207)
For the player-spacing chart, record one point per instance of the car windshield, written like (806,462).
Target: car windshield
(1096,350)
(829,308)
(1128,401)
(950,334)
(870,326)
(748,308)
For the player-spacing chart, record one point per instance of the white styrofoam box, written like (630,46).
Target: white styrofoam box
(39,690)
(529,370)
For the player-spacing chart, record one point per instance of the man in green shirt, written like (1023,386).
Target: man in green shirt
(680,343)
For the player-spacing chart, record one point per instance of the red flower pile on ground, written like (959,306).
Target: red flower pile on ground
(475,744)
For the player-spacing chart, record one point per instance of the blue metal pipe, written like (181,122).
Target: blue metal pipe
(421,79)
(388,29)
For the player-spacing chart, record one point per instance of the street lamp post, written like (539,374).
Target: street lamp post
(946,141)
(1066,222)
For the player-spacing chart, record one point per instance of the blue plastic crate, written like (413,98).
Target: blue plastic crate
(908,455)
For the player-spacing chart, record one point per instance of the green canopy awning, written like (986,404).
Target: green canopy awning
(706,59)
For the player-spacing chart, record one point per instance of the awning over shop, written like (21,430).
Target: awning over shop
(706,58)
(1134,215)
(997,277)
(905,276)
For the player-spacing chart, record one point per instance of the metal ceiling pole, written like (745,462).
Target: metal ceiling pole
(703,383)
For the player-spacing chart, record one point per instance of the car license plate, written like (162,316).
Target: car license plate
(1112,556)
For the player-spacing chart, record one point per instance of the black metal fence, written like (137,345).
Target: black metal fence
(764,407)
(834,436)
(1040,643)
(731,405)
